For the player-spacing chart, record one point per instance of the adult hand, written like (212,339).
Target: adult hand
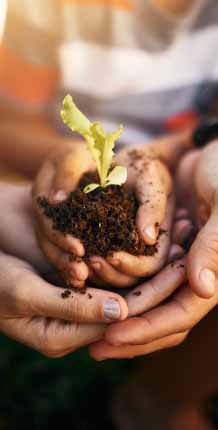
(169,323)
(32,310)
(161,324)
(147,298)
(43,317)
(197,181)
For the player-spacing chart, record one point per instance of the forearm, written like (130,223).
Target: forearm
(25,140)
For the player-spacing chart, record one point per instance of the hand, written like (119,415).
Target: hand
(32,310)
(55,181)
(16,227)
(197,181)
(168,324)
(145,298)
(153,189)
(36,313)
(149,177)
(160,326)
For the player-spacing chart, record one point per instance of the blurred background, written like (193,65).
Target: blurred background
(41,393)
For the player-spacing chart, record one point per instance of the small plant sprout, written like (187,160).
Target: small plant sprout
(100,144)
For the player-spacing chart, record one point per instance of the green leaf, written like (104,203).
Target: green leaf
(100,143)
(91,187)
(108,153)
(78,122)
(95,152)
(118,176)
(73,118)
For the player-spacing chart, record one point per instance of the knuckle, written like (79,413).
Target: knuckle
(69,309)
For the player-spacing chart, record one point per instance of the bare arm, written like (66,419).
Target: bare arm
(25,140)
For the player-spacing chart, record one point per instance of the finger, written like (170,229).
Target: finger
(170,148)
(206,181)
(66,242)
(53,338)
(182,230)
(87,306)
(176,252)
(102,350)
(27,295)
(71,270)
(180,314)
(184,177)
(69,172)
(43,181)
(107,275)
(153,187)
(203,258)
(156,290)
(138,266)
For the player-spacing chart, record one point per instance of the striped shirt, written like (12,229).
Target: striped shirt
(123,61)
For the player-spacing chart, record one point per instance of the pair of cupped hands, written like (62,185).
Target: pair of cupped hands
(177,190)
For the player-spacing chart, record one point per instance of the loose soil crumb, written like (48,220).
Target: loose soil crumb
(104,220)
(82,290)
(137,293)
(66,294)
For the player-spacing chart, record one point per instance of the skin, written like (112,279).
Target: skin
(29,299)
(148,175)
(154,323)
(32,309)
(173,329)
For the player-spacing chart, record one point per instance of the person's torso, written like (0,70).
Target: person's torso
(112,63)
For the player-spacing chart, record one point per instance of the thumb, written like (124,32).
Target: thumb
(203,257)
(153,187)
(69,171)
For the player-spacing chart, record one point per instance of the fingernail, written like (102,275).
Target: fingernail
(96,266)
(151,232)
(208,278)
(112,309)
(59,196)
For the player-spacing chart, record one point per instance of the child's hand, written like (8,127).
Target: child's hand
(56,179)
(150,180)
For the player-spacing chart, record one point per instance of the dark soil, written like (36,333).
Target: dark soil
(104,220)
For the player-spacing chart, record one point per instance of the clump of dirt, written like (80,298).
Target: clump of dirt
(104,220)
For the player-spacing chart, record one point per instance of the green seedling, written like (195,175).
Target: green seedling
(100,144)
